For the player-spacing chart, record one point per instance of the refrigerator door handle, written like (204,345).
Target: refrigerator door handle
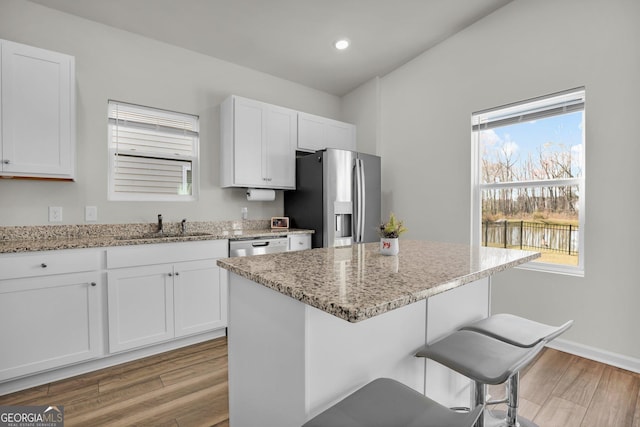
(363,200)
(356,204)
(359,201)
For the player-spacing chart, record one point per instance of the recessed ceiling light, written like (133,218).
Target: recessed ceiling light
(341,44)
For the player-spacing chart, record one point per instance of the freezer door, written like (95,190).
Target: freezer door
(372,197)
(338,167)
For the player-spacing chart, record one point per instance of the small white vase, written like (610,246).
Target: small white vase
(389,246)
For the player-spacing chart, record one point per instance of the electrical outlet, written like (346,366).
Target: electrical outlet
(55,214)
(90,213)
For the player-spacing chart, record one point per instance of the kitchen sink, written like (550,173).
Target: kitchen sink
(161,236)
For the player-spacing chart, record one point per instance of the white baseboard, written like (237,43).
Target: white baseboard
(599,355)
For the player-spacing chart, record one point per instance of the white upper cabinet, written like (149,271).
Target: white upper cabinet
(37,126)
(317,133)
(258,143)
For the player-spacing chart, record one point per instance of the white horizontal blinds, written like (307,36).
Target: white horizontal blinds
(136,174)
(547,106)
(153,151)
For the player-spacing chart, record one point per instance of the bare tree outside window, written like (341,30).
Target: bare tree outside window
(531,177)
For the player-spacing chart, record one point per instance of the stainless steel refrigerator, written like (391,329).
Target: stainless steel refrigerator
(338,195)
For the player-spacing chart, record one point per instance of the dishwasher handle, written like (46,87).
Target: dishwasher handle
(260,244)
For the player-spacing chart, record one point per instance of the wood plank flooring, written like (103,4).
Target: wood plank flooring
(563,390)
(185,387)
(188,387)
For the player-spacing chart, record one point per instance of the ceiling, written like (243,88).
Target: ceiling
(293,39)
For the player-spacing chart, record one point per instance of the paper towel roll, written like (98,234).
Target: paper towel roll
(260,195)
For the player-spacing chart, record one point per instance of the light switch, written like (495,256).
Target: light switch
(90,213)
(55,214)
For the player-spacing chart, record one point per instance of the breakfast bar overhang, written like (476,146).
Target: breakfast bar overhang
(307,328)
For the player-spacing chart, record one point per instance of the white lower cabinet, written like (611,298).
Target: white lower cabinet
(149,304)
(199,297)
(59,318)
(140,301)
(48,321)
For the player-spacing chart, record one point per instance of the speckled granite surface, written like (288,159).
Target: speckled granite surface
(54,237)
(356,282)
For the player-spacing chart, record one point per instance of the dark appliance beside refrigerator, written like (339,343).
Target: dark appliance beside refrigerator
(338,195)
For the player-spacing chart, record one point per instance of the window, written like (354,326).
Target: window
(153,154)
(528,182)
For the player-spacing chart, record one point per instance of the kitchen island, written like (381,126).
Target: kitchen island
(307,328)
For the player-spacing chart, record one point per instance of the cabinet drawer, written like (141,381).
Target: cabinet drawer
(299,242)
(165,253)
(48,263)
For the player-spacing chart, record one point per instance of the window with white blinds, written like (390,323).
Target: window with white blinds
(153,154)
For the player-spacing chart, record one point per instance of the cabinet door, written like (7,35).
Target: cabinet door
(49,321)
(199,297)
(317,133)
(248,149)
(38,118)
(280,147)
(310,132)
(340,135)
(140,306)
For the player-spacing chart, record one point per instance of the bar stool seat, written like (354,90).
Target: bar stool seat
(485,360)
(479,357)
(388,403)
(516,330)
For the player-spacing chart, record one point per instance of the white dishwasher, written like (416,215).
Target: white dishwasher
(257,246)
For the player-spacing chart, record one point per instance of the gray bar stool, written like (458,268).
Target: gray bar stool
(387,403)
(484,360)
(517,330)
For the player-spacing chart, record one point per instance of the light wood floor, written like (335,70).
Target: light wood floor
(185,387)
(562,390)
(188,387)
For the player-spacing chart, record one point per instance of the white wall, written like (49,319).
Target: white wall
(524,50)
(362,108)
(114,64)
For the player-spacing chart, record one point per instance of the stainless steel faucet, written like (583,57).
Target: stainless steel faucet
(183,226)
(160,224)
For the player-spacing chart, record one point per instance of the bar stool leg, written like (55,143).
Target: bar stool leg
(480,390)
(497,418)
(512,405)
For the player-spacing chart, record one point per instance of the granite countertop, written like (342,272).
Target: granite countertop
(356,282)
(44,238)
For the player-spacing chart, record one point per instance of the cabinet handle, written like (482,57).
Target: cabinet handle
(177,274)
(43,265)
(93,283)
(6,162)
(170,274)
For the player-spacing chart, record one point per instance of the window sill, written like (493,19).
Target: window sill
(566,270)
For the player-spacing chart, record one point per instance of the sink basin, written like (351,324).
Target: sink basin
(161,236)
